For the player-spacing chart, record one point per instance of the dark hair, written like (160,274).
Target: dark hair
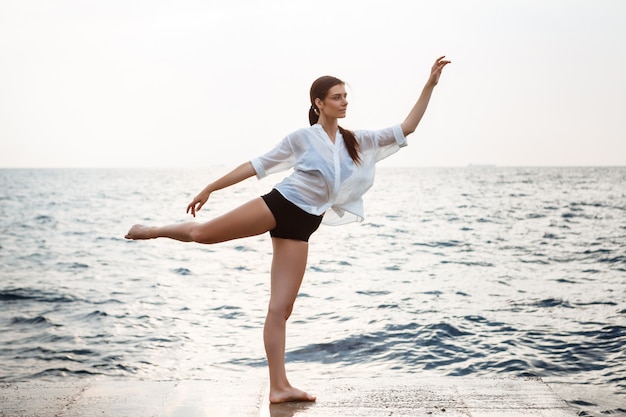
(319,89)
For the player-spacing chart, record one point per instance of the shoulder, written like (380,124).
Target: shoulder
(303,134)
(382,138)
(309,130)
(296,135)
(372,132)
(364,135)
(390,131)
(298,139)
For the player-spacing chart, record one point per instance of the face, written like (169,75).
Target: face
(335,104)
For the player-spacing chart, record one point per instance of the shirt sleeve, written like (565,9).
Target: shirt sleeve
(280,158)
(382,143)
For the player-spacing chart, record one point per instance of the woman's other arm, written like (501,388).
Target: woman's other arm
(238,174)
(415,115)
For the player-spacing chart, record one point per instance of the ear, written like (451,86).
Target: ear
(318,103)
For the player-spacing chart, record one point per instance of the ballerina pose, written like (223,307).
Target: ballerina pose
(332,169)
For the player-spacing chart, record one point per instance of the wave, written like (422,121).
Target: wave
(33,294)
(37,320)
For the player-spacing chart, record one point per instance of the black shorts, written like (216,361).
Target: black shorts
(291,221)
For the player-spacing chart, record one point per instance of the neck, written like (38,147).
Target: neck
(330,125)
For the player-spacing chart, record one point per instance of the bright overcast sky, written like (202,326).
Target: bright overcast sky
(152,83)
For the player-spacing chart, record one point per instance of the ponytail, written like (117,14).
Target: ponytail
(352,146)
(319,89)
(313,115)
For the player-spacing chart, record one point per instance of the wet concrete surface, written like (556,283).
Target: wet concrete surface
(344,397)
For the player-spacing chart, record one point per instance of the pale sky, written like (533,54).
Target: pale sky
(154,83)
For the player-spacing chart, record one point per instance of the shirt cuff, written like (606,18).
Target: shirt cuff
(258,168)
(399,135)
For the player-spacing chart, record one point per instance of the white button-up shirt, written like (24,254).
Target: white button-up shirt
(325,180)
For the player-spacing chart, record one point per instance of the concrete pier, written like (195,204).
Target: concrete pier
(342,397)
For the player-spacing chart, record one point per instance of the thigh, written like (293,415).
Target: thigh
(291,221)
(250,219)
(288,266)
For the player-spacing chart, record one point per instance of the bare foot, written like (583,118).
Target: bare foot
(289,394)
(139,232)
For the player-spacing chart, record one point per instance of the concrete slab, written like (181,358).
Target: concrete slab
(345,397)
(36,399)
(450,397)
(120,398)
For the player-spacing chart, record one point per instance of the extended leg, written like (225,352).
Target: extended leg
(250,219)
(288,265)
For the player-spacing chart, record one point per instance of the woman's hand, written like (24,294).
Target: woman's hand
(238,174)
(416,113)
(435,71)
(198,202)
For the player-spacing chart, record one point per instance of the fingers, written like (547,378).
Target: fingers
(195,206)
(197,203)
(192,208)
(438,66)
(440,62)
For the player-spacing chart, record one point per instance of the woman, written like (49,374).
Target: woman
(333,168)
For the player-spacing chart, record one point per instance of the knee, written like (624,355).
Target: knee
(195,234)
(200,234)
(280,310)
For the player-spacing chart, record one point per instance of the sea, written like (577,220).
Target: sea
(477,271)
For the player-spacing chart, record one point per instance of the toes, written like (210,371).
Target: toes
(291,396)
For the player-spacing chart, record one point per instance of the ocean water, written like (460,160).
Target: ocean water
(475,271)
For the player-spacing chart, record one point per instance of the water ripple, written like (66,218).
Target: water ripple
(456,271)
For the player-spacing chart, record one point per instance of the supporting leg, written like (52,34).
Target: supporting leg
(288,266)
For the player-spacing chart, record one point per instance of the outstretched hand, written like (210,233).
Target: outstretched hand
(197,203)
(435,71)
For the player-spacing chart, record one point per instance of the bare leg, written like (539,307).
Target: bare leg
(250,219)
(288,265)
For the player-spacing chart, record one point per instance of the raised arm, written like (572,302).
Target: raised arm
(415,115)
(238,174)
